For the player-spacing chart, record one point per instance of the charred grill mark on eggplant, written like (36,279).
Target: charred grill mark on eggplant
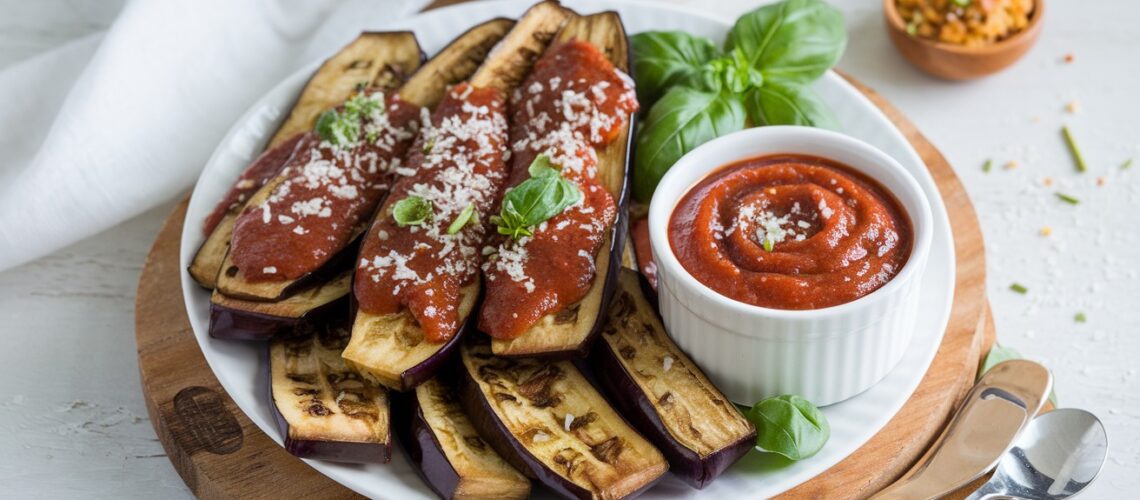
(449,454)
(324,409)
(546,418)
(664,393)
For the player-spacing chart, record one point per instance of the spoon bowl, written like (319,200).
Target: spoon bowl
(1056,456)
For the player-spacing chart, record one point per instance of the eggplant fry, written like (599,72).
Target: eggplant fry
(547,420)
(447,451)
(663,392)
(325,410)
(570,332)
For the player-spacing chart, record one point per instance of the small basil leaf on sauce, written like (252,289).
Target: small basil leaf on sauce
(412,211)
(998,354)
(541,166)
(325,124)
(682,120)
(779,103)
(663,59)
(343,127)
(467,215)
(789,425)
(791,41)
(545,194)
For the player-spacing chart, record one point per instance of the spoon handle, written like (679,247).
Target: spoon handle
(993,413)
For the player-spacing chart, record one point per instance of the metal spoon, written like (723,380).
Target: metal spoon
(1056,456)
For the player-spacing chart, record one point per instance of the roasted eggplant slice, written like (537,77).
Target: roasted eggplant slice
(238,319)
(391,349)
(447,451)
(663,393)
(325,410)
(548,421)
(569,333)
(510,61)
(379,59)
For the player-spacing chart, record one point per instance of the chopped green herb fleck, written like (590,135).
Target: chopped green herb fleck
(1019,288)
(962,3)
(988,165)
(412,211)
(768,245)
(1074,149)
(1126,165)
(1072,200)
(467,215)
(1081,318)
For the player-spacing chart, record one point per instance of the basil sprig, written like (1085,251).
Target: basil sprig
(695,94)
(789,425)
(545,194)
(412,211)
(343,127)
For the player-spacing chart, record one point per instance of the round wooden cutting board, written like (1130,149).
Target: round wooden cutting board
(220,453)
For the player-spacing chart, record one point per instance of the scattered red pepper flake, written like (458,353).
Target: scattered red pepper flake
(1069,58)
(1011,164)
(1048,181)
(1100,181)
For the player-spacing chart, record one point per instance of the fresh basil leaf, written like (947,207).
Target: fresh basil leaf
(732,72)
(412,211)
(541,166)
(789,425)
(790,41)
(467,215)
(784,104)
(536,199)
(325,124)
(998,354)
(682,120)
(663,59)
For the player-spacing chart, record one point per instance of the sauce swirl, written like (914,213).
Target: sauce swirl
(790,232)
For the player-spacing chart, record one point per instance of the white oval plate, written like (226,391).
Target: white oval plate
(241,367)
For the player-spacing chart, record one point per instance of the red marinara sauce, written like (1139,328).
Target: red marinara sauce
(573,102)
(265,167)
(459,160)
(326,192)
(790,232)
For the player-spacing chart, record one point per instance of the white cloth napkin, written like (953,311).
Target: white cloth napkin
(103,128)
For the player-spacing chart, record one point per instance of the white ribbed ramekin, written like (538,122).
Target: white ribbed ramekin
(750,352)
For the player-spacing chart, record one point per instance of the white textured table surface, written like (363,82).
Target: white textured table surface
(72,419)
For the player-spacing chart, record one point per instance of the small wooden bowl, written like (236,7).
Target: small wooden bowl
(958,62)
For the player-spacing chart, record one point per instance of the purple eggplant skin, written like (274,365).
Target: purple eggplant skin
(494,432)
(420,445)
(623,392)
(424,371)
(230,323)
(429,367)
(333,451)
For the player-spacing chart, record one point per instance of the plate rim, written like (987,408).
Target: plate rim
(262,115)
